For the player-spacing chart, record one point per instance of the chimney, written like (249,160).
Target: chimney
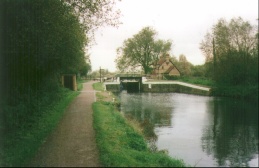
(167,57)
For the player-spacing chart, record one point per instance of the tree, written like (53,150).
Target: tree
(93,14)
(85,69)
(142,50)
(235,51)
(184,66)
(40,40)
(198,71)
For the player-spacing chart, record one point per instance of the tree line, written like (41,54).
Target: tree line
(142,51)
(230,50)
(40,41)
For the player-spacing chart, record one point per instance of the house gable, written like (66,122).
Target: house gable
(166,66)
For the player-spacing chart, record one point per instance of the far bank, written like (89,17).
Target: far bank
(188,87)
(158,87)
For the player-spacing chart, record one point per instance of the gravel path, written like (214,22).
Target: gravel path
(72,143)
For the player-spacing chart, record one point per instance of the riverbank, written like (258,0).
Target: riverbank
(163,87)
(195,86)
(248,91)
(240,92)
(119,143)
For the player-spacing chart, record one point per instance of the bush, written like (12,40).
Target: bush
(168,77)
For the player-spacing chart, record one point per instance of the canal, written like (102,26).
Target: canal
(203,131)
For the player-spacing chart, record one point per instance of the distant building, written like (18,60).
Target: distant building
(164,66)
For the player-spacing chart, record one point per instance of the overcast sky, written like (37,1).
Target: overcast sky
(185,22)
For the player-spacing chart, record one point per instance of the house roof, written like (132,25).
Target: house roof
(169,69)
(162,60)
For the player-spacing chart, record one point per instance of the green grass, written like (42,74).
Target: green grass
(121,145)
(197,81)
(98,86)
(235,91)
(21,145)
(80,84)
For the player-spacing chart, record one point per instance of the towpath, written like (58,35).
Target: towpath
(72,143)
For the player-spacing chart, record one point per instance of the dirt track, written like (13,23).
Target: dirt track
(72,143)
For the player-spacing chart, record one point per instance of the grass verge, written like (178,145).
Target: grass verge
(120,144)
(98,86)
(197,81)
(21,145)
(80,83)
(234,91)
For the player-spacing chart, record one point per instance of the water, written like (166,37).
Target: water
(203,131)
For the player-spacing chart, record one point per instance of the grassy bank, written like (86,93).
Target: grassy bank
(238,91)
(120,144)
(197,81)
(98,86)
(22,143)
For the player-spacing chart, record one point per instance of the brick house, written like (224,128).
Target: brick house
(164,66)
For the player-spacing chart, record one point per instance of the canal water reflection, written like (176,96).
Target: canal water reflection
(203,131)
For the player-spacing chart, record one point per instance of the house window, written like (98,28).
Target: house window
(162,67)
(167,63)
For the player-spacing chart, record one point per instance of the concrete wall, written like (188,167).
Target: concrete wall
(113,87)
(166,88)
(162,88)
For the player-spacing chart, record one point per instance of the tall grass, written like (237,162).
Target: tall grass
(121,145)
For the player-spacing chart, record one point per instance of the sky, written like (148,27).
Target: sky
(185,22)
